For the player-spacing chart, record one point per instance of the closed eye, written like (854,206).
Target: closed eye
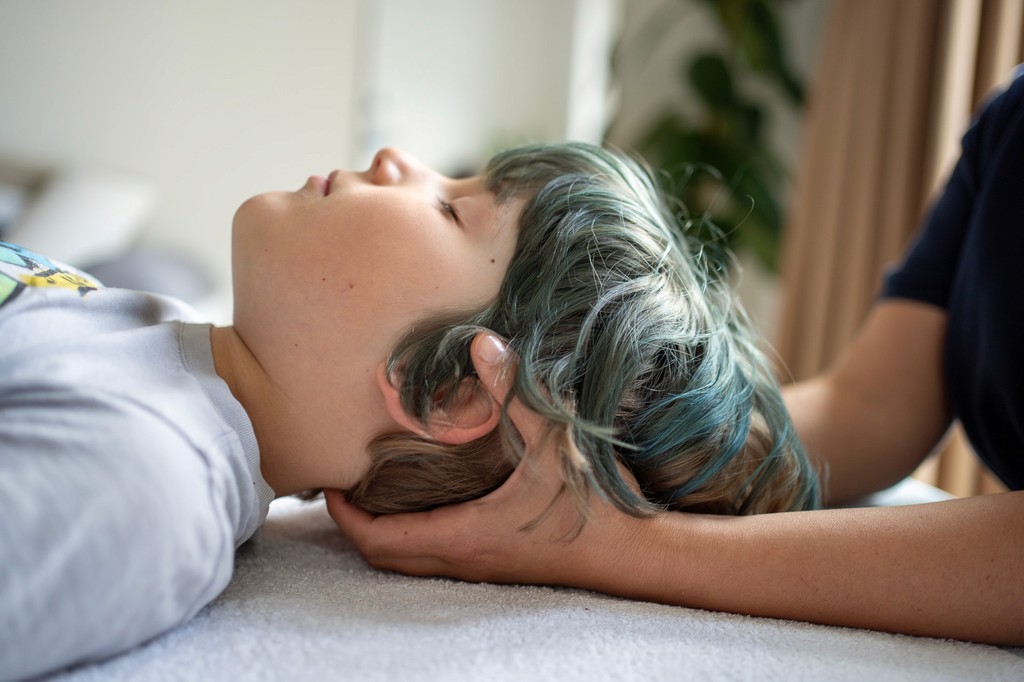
(450,210)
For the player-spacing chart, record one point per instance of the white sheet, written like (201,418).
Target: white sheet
(304,605)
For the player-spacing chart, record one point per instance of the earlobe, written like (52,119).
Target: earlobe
(473,412)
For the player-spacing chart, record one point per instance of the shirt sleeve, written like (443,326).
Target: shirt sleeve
(109,530)
(929,266)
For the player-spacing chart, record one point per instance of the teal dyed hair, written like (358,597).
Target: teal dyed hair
(629,346)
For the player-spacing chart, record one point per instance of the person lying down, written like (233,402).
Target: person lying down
(631,347)
(141,445)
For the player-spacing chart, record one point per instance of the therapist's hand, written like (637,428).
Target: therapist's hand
(484,540)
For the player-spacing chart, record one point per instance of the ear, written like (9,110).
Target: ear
(473,412)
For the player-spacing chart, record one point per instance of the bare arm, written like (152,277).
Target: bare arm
(875,415)
(949,569)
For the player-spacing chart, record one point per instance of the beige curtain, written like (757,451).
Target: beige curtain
(894,90)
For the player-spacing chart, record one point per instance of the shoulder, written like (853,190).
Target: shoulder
(998,121)
(1008,101)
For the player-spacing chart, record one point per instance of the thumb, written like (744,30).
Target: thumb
(494,364)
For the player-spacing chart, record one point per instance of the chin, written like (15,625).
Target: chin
(256,210)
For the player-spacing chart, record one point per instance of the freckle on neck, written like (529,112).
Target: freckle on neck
(492,260)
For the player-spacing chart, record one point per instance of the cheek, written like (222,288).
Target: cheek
(430,279)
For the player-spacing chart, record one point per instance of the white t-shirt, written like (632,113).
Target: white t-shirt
(128,471)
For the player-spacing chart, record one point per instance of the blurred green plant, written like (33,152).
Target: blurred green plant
(719,164)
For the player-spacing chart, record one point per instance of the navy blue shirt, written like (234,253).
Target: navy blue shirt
(968,258)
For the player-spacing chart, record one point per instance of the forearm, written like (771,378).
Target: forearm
(849,444)
(869,421)
(950,569)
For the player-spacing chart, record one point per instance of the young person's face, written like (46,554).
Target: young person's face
(336,271)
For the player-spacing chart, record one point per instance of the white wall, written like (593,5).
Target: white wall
(215,100)
(453,81)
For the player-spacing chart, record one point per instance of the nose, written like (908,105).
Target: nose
(392,166)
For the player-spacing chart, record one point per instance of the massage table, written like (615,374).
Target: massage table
(303,605)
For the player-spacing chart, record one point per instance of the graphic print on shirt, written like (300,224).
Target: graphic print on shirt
(21,268)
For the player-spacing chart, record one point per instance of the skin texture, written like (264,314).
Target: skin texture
(872,418)
(948,569)
(313,269)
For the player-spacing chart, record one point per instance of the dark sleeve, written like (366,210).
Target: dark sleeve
(929,265)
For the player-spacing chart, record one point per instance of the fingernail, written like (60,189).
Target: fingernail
(492,349)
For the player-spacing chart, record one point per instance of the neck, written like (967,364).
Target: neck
(306,441)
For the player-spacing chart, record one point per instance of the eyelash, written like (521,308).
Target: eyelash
(449,209)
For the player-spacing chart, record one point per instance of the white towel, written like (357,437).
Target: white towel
(304,605)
